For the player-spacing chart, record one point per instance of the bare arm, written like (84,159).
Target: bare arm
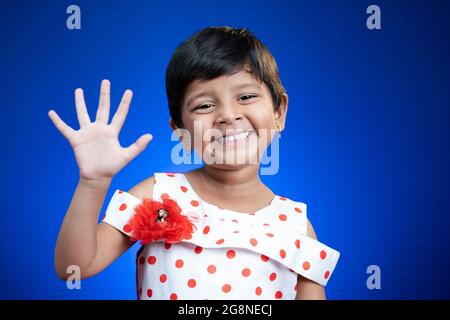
(81,241)
(77,239)
(111,243)
(307,289)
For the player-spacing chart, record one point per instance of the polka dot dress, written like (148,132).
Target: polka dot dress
(231,255)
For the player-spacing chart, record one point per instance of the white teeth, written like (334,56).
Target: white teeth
(231,139)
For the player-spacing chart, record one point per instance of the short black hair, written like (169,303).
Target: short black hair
(214,52)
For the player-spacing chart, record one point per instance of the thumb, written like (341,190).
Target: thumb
(136,148)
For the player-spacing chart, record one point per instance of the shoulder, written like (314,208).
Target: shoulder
(298,206)
(310,230)
(296,212)
(301,211)
(143,189)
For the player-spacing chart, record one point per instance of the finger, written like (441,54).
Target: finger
(137,147)
(122,110)
(82,114)
(103,104)
(65,130)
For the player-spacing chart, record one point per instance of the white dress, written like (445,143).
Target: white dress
(231,255)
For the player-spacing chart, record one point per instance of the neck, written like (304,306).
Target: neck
(232,182)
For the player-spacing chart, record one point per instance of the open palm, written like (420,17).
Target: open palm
(98,152)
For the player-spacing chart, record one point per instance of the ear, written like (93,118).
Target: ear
(280,114)
(173,125)
(180,135)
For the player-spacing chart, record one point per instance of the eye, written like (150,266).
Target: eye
(203,106)
(248,97)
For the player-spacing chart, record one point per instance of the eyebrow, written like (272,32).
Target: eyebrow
(206,93)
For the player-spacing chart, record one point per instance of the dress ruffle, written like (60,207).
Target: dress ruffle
(277,232)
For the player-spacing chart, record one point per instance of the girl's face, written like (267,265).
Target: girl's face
(230,120)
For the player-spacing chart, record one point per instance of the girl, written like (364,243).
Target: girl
(212,233)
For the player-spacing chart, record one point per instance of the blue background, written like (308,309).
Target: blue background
(366,144)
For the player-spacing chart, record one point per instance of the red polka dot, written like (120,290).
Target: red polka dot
(226,288)
(123,207)
(192,283)
(194,203)
(266,225)
(127,228)
(234,220)
(179,263)
(206,230)
(273,276)
(306,265)
(258,291)
(283,198)
(167,245)
(173,296)
(165,196)
(298,210)
(120,191)
(141,260)
(278,295)
(282,217)
(327,274)
(212,269)
(264,258)
(149,293)
(184,189)
(220,241)
(152,260)
(297,243)
(282,253)
(231,254)
(198,250)
(269,234)
(163,278)
(246,272)
(253,242)
(323,254)
(170,175)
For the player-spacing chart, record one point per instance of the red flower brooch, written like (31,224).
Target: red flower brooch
(154,220)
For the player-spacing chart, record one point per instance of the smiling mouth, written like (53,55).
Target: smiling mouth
(230,139)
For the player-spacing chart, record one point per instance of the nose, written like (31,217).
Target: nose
(228,114)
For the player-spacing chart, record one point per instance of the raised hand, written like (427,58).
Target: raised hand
(98,152)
